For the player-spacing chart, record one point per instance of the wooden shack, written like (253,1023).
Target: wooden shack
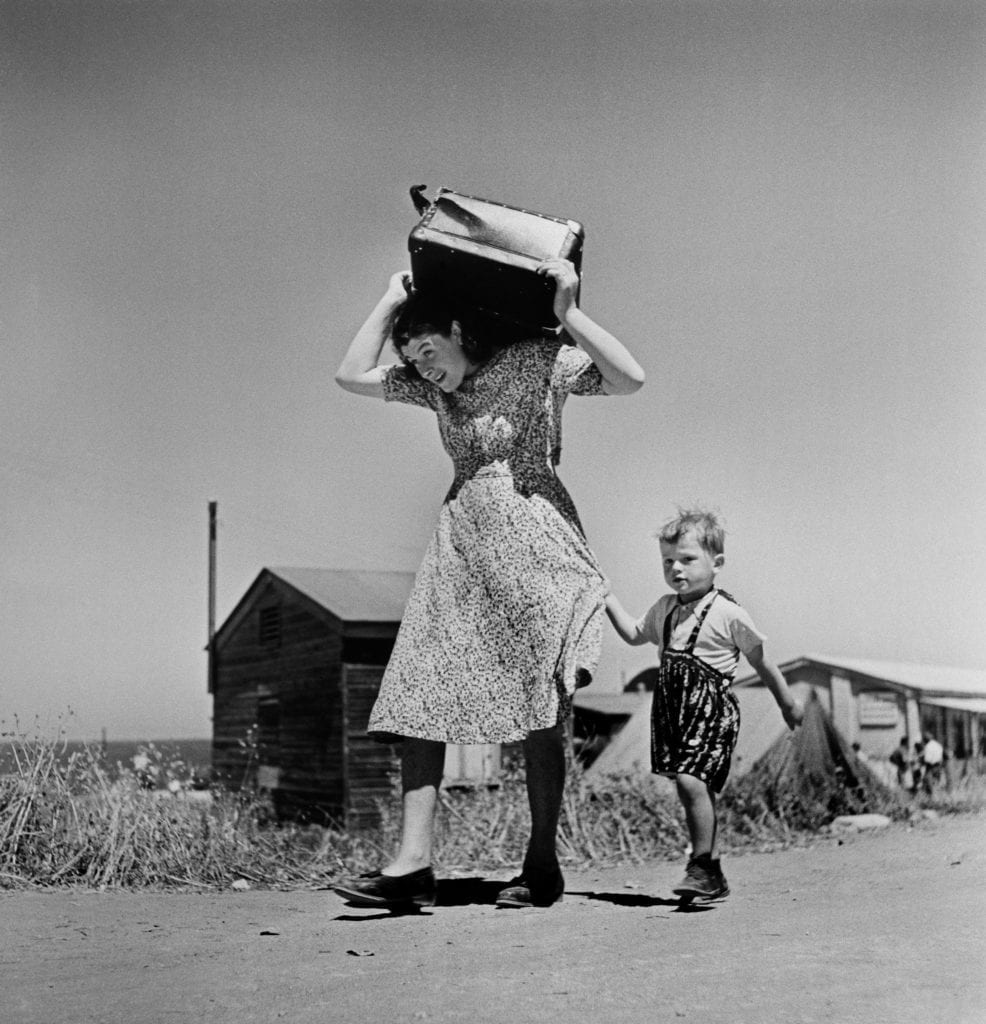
(296,668)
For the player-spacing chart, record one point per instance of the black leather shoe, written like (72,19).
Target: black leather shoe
(533,888)
(416,888)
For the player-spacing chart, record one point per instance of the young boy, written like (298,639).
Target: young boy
(700,632)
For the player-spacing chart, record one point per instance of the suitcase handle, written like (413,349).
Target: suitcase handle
(420,200)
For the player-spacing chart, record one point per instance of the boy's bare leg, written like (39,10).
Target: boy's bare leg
(703,879)
(700,814)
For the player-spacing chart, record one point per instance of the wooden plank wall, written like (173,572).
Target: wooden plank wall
(302,673)
(328,769)
(372,768)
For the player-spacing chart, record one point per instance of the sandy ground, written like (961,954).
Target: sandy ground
(886,927)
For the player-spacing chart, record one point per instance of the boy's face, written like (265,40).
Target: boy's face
(689,570)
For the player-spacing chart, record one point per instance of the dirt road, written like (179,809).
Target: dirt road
(880,928)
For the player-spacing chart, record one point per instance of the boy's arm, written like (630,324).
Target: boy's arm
(791,709)
(623,622)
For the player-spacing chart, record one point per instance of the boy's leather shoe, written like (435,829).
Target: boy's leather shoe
(703,880)
(375,889)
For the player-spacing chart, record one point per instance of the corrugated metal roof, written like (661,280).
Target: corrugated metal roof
(927,679)
(352,595)
(977,705)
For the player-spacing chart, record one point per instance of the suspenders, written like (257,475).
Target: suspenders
(690,646)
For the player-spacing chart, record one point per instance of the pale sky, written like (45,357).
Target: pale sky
(785,205)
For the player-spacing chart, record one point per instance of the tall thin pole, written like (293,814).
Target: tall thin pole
(212,596)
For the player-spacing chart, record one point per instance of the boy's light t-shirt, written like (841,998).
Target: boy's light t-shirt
(728,630)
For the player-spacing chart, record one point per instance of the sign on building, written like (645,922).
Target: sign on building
(878,709)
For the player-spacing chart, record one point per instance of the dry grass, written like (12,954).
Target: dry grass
(71,820)
(74,821)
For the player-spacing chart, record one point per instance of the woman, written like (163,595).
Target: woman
(504,619)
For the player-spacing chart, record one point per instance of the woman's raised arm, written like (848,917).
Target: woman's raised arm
(358,372)
(622,374)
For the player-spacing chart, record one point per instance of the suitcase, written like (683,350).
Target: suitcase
(485,254)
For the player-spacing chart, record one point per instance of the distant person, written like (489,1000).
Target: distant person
(932,761)
(917,767)
(860,754)
(700,632)
(901,760)
(505,618)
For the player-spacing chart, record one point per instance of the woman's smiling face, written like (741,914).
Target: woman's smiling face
(439,358)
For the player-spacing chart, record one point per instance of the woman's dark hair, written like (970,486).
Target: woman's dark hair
(483,334)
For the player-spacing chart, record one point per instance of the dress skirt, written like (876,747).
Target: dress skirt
(503,623)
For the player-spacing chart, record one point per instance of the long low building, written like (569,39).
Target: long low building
(874,704)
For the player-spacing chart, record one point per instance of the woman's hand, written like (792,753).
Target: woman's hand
(621,373)
(359,372)
(400,286)
(566,279)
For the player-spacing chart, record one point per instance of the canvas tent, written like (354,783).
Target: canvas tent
(812,774)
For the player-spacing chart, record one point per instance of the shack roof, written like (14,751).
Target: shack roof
(351,596)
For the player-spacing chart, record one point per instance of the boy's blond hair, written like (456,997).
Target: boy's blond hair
(703,524)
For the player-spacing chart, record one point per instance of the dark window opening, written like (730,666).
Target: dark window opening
(269,626)
(366,651)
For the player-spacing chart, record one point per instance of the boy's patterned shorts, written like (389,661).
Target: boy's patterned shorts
(694,721)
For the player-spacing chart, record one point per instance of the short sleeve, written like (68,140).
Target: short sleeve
(574,373)
(402,385)
(745,634)
(651,624)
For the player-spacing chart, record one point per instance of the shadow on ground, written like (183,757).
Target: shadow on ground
(451,892)
(626,899)
(468,892)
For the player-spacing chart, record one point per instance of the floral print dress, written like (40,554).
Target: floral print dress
(505,617)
